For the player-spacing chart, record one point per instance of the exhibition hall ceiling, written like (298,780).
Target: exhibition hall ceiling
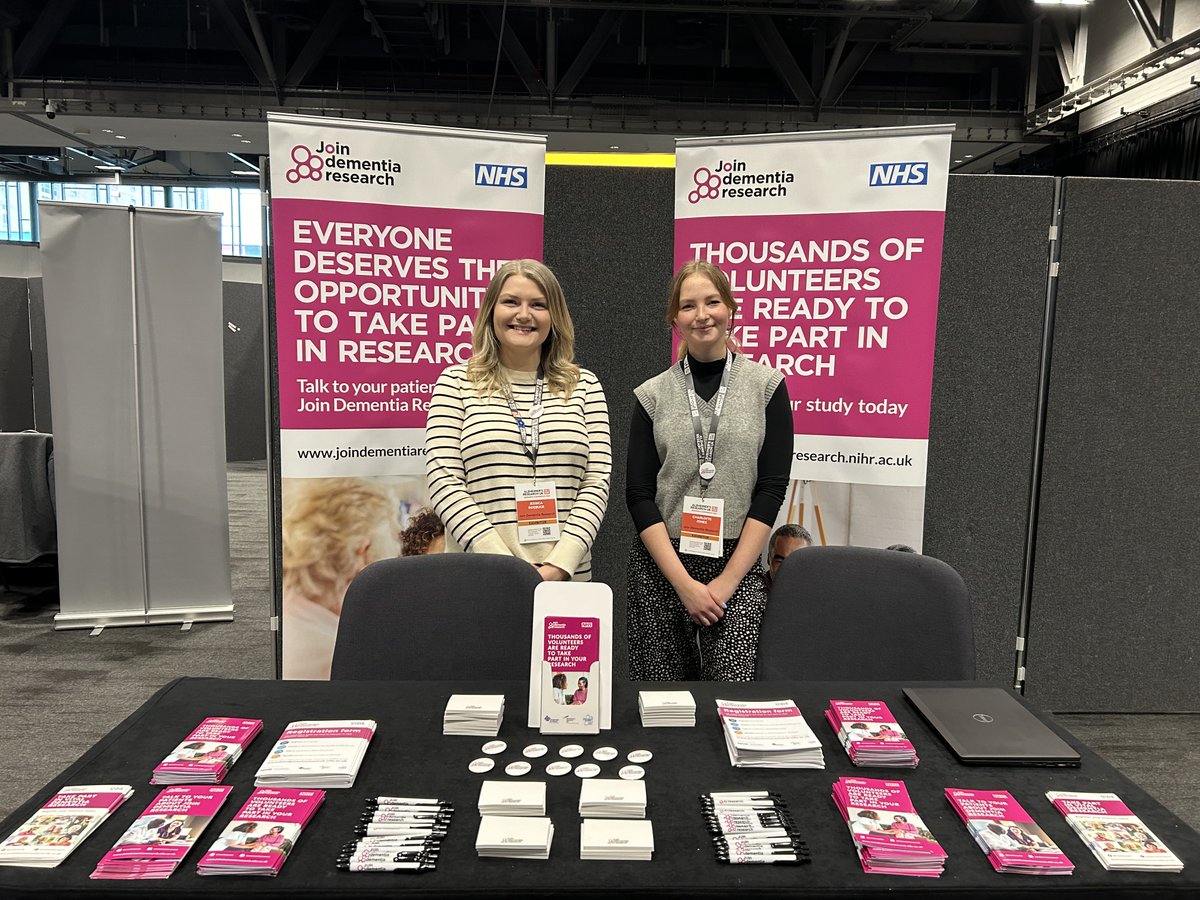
(180,88)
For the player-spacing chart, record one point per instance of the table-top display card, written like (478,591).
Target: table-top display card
(570,667)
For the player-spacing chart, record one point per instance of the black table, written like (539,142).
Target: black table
(410,757)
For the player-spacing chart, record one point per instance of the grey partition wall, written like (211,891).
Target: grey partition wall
(133,312)
(16,365)
(1114,622)
(991,311)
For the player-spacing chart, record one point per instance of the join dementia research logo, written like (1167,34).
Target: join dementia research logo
(336,162)
(733,178)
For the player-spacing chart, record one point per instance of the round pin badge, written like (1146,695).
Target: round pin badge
(587,770)
(632,773)
(640,756)
(570,751)
(604,754)
(558,767)
(491,748)
(533,751)
(518,768)
(481,765)
(535,412)
(707,471)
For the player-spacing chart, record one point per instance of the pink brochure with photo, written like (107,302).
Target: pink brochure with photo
(262,834)
(570,675)
(1007,833)
(164,833)
(207,753)
(882,819)
(867,725)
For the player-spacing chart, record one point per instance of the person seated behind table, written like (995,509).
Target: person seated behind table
(426,533)
(786,540)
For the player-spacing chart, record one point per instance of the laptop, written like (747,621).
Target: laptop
(988,726)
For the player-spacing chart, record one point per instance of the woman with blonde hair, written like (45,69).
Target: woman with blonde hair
(709,448)
(333,528)
(517,442)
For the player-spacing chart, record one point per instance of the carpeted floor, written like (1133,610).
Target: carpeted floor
(63,690)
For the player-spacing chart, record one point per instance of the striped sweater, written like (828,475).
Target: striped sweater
(474,460)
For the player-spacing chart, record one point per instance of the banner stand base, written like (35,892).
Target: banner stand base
(118,618)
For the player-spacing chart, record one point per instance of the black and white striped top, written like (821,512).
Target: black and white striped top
(474,461)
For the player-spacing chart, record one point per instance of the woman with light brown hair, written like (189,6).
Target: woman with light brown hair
(517,443)
(707,467)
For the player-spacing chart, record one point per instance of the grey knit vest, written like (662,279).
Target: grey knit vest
(740,436)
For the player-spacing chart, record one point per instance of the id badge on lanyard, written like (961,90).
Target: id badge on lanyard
(537,512)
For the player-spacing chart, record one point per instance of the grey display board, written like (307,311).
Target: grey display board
(132,307)
(16,363)
(245,378)
(1113,621)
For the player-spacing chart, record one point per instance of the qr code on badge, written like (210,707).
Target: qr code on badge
(544,531)
(708,545)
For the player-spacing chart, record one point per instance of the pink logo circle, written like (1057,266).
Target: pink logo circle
(308,165)
(708,185)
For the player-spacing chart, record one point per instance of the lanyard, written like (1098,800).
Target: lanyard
(706,447)
(529,434)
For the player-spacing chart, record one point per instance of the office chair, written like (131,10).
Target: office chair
(861,614)
(439,617)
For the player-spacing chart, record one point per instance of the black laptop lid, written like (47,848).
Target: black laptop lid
(989,726)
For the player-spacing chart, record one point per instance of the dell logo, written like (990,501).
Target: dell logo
(495,175)
(983,717)
(900,173)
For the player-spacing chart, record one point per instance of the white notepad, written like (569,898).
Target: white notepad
(512,798)
(616,839)
(514,838)
(612,798)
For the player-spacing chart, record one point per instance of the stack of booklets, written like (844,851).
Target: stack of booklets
(509,798)
(768,734)
(1118,838)
(889,835)
(613,839)
(667,709)
(317,754)
(514,837)
(474,714)
(752,827)
(208,752)
(612,798)
(62,823)
(870,734)
(262,834)
(158,840)
(1008,835)
(398,834)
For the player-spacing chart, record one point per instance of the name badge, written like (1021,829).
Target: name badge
(700,532)
(537,513)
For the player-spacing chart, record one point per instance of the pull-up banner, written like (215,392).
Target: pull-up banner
(833,244)
(384,238)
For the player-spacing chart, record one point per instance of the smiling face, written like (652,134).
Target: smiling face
(703,318)
(521,321)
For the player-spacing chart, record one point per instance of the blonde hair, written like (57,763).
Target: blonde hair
(558,351)
(719,280)
(326,522)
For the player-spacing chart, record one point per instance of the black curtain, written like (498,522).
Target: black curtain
(1168,151)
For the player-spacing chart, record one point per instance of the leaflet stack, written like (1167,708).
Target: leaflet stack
(317,754)
(616,839)
(514,837)
(64,822)
(1116,837)
(1008,835)
(769,734)
(507,798)
(870,734)
(262,834)
(890,837)
(159,839)
(612,798)
(206,755)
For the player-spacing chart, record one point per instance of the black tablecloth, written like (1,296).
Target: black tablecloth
(410,757)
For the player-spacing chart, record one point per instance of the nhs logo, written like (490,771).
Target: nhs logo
(496,175)
(888,174)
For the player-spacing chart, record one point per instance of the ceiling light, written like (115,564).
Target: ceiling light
(245,141)
(957,161)
(119,137)
(234,134)
(107,168)
(968,156)
(107,130)
(242,172)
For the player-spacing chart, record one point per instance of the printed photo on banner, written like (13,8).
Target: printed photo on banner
(832,242)
(333,528)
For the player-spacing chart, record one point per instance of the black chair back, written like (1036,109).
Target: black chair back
(441,617)
(861,614)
